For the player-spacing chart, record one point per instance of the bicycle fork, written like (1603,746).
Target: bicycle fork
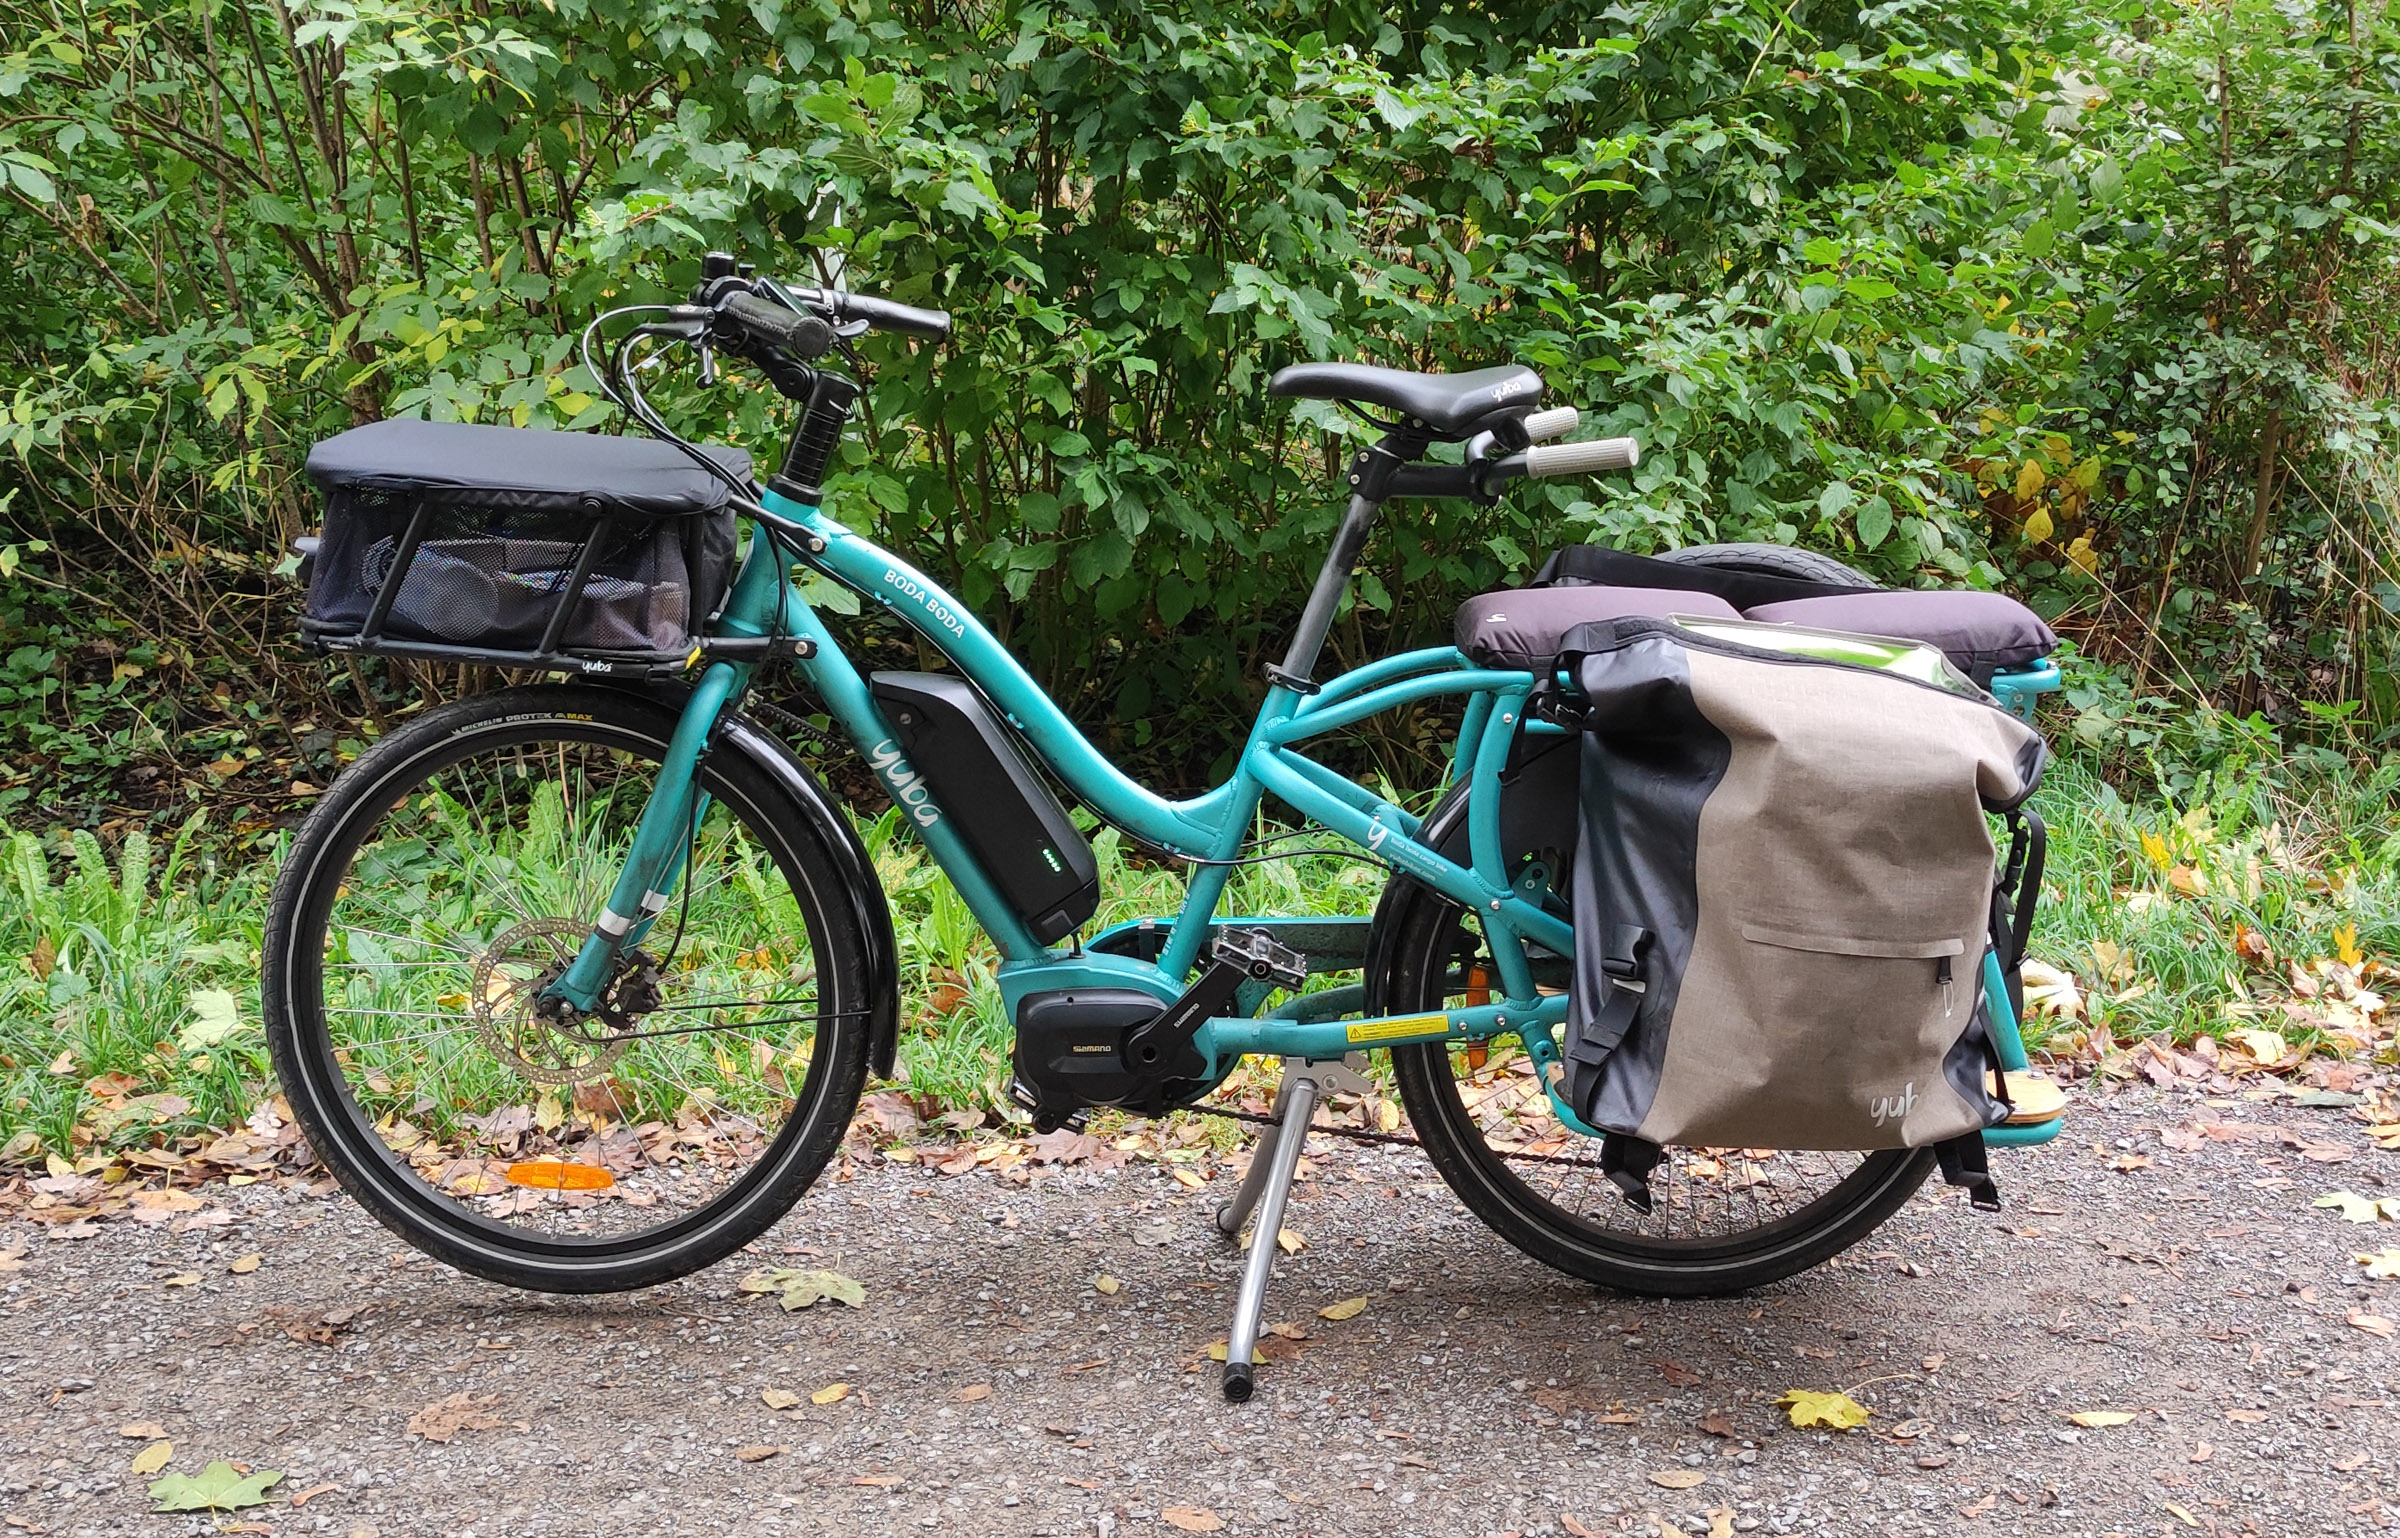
(662,840)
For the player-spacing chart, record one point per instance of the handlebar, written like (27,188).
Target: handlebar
(796,331)
(881,314)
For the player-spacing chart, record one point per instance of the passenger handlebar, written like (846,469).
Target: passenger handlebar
(1583,458)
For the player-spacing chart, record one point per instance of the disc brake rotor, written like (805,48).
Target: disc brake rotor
(546,1041)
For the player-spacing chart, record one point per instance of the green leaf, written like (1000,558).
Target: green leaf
(1822,252)
(2038,238)
(2108,180)
(215,1016)
(32,182)
(215,1488)
(1836,498)
(1874,521)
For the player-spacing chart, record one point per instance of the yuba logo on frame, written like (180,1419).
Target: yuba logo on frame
(907,786)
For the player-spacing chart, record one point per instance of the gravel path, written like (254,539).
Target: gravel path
(995,1389)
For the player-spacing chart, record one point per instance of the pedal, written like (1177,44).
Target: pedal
(1261,957)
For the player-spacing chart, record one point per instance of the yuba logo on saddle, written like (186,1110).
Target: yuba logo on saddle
(1894,1107)
(906,785)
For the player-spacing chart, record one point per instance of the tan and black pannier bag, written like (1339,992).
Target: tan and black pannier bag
(1784,891)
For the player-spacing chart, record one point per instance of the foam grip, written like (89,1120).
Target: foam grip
(1587,458)
(1557,422)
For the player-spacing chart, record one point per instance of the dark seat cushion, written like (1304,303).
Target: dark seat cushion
(1521,628)
(1982,633)
(1449,404)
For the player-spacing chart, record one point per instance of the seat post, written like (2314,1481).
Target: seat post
(1370,479)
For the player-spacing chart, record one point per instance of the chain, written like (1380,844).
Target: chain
(799,726)
(1361,1135)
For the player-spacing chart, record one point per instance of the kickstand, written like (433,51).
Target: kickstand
(1280,1158)
(1265,1189)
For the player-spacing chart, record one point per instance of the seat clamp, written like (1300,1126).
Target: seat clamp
(1277,676)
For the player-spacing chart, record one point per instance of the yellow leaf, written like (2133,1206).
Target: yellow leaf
(2181,1515)
(1107,1285)
(778,1398)
(2184,879)
(183,1279)
(2038,526)
(1810,1407)
(2262,1045)
(1289,1240)
(1216,1351)
(247,1264)
(2030,481)
(1348,1308)
(2081,555)
(153,1458)
(2101,1417)
(2156,849)
(2345,945)
(831,1393)
(1677,1479)
(2380,1266)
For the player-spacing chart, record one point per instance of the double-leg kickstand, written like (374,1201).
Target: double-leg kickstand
(1266,1188)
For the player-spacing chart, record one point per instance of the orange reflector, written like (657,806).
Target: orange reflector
(551,1175)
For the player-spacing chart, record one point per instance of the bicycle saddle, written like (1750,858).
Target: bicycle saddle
(1450,405)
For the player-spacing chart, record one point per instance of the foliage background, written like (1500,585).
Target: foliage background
(2091,301)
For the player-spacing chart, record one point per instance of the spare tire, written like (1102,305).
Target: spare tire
(1771,561)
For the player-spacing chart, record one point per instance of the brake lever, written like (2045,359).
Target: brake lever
(708,365)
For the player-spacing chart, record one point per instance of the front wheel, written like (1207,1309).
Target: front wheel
(444,880)
(1723,1219)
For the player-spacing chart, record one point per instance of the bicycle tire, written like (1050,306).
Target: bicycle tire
(1771,561)
(341,1130)
(1412,971)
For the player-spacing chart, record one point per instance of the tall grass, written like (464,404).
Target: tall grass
(2181,914)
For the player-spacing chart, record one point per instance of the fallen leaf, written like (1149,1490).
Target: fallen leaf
(759,1452)
(153,1458)
(13,1258)
(182,1279)
(1934,1361)
(1107,1286)
(1347,1308)
(2382,1265)
(831,1393)
(1289,1241)
(975,1391)
(2202,1453)
(878,1481)
(313,1491)
(1720,1522)
(219,1487)
(246,1265)
(803,1289)
(462,1411)
(146,1431)
(1192,1519)
(1677,1479)
(1676,1374)
(2181,1515)
(2246,1417)
(2345,945)
(2374,1324)
(1567,1520)
(2127,1163)
(1716,1425)
(1810,1407)
(778,1398)
(2361,1209)
(2101,1417)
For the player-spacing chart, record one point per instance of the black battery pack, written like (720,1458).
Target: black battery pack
(985,789)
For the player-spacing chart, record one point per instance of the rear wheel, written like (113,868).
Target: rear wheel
(452,872)
(1723,1219)
(1771,561)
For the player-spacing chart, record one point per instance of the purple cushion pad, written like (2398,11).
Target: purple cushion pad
(1982,633)
(1521,628)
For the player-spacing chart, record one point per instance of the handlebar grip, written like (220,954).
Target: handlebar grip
(888,315)
(1557,422)
(1588,458)
(804,334)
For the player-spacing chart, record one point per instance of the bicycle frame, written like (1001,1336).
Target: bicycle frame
(765,601)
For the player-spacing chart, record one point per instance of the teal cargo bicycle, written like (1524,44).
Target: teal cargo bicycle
(577,985)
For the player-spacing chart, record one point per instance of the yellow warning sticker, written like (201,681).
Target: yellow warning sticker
(1394,1030)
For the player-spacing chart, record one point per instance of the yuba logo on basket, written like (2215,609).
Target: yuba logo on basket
(1894,1107)
(907,786)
